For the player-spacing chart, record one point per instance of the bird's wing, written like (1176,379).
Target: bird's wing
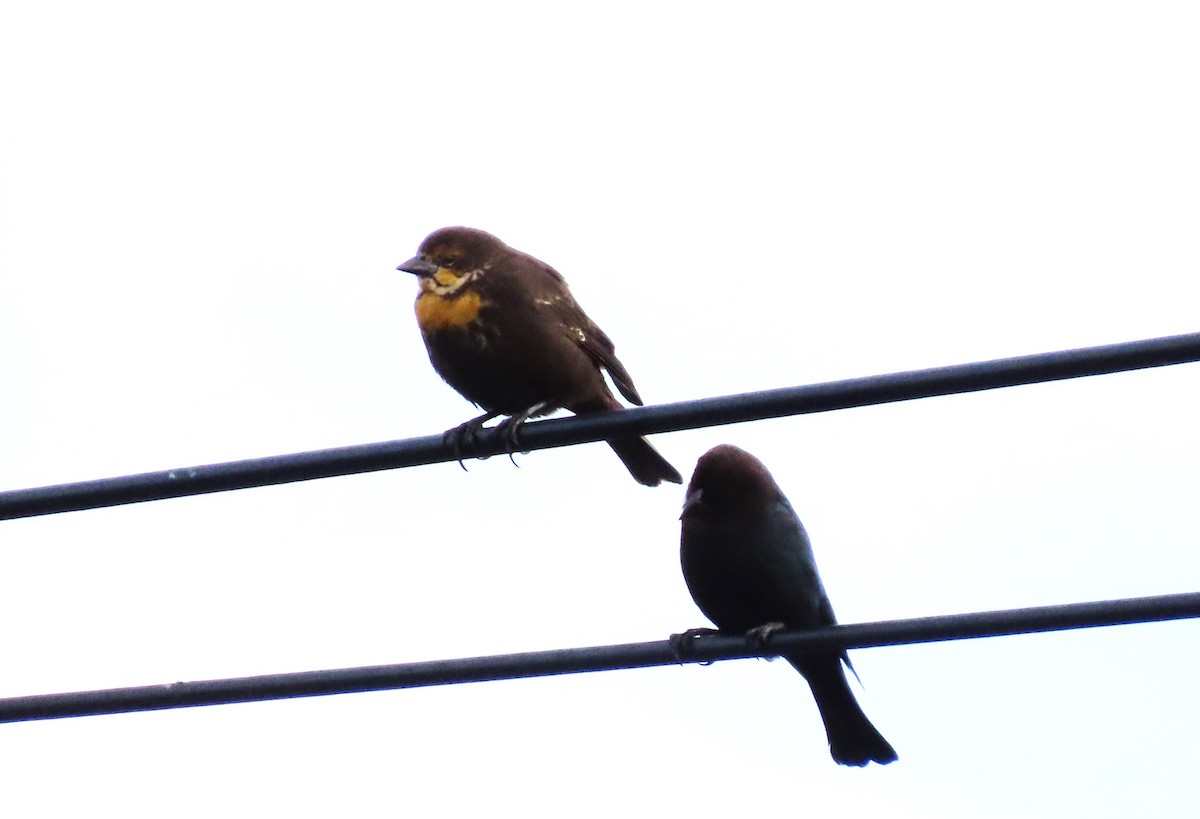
(791,580)
(800,562)
(556,297)
(596,343)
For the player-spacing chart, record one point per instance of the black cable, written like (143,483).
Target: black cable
(731,409)
(599,658)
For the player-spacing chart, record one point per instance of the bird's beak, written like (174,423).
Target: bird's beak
(419,267)
(693,499)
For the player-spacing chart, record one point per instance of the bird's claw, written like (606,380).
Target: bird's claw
(510,429)
(456,437)
(684,645)
(760,636)
(464,435)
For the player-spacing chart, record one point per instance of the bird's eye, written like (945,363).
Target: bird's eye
(449,262)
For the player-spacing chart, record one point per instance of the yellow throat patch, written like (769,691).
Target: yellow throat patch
(444,304)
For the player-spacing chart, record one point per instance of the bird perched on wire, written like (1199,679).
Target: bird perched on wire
(749,565)
(502,328)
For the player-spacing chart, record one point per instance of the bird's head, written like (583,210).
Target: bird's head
(452,256)
(729,482)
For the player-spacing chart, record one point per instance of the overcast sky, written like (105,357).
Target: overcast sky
(201,207)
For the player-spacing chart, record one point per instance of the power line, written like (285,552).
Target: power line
(731,409)
(600,658)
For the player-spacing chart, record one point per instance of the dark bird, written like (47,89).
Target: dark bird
(502,328)
(750,568)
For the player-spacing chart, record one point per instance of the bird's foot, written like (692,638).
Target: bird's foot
(759,637)
(465,434)
(684,645)
(510,427)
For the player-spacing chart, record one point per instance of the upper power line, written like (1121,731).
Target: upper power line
(731,409)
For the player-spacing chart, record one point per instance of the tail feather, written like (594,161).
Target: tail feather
(643,462)
(853,740)
(640,458)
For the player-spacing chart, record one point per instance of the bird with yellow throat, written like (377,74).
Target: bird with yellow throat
(503,329)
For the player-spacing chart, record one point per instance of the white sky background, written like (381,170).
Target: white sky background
(200,213)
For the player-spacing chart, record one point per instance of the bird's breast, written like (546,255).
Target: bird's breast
(447,312)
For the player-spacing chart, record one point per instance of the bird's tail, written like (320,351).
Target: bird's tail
(643,462)
(853,740)
(640,458)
